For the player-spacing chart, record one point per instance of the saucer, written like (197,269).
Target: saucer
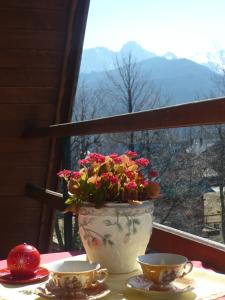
(141,284)
(6,277)
(92,293)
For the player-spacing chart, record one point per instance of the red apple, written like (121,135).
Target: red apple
(23,260)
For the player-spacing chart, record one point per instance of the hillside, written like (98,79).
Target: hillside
(181,80)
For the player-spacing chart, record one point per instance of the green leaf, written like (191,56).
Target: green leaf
(69,201)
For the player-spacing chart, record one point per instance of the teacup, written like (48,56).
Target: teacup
(163,268)
(76,274)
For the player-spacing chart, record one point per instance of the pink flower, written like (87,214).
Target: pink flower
(75,175)
(131,153)
(99,158)
(115,157)
(83,161)
(130,175)
(111,178)
(153,173)
(64,173)
(132,185)
(142,162)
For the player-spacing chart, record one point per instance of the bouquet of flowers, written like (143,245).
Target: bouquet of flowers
(110,178)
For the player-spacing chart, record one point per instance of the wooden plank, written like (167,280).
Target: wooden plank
(167,239)
(15,18)
(191,114)
(30,58)
(27,95)
(40,4)
(13,145)
(10,129)
(28,230)
(18,203)
(28,77)
(29,39)
(14,185)
(22,112)
(25,234)
(13,160)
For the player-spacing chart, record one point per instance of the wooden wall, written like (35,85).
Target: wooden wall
(35,51)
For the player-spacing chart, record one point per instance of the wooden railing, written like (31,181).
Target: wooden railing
(197,113)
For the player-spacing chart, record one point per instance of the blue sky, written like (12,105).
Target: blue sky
(184,27)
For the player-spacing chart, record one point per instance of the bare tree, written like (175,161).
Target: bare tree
(86,108)
(130,91)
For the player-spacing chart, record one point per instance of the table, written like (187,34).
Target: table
(206,279)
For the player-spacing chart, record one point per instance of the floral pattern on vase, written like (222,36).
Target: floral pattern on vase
(116,234)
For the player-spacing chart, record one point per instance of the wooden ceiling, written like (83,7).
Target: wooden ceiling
(40,49)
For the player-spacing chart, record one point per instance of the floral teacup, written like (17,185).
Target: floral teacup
(163,268)
(76,274)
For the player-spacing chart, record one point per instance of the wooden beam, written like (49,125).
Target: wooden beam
(167,239)
(50,198)
(77,16)
(207,112)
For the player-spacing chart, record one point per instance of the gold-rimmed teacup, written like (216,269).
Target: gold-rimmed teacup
(76,274)
(163,268)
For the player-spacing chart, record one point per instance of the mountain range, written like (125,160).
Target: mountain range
(183,80)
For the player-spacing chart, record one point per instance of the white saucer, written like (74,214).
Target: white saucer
(141,284)
(93,293)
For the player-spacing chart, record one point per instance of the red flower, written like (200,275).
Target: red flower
(145,183)
(99,158)
(83,161)
(142,162)
(64,173)
(153,173)
(111,178)
(75,175)
(130,175)
(115,157)
(131,154)
(132,185)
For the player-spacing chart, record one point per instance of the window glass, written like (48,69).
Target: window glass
(144,54)
(191,168)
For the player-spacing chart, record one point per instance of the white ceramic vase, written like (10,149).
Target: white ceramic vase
(116,234)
